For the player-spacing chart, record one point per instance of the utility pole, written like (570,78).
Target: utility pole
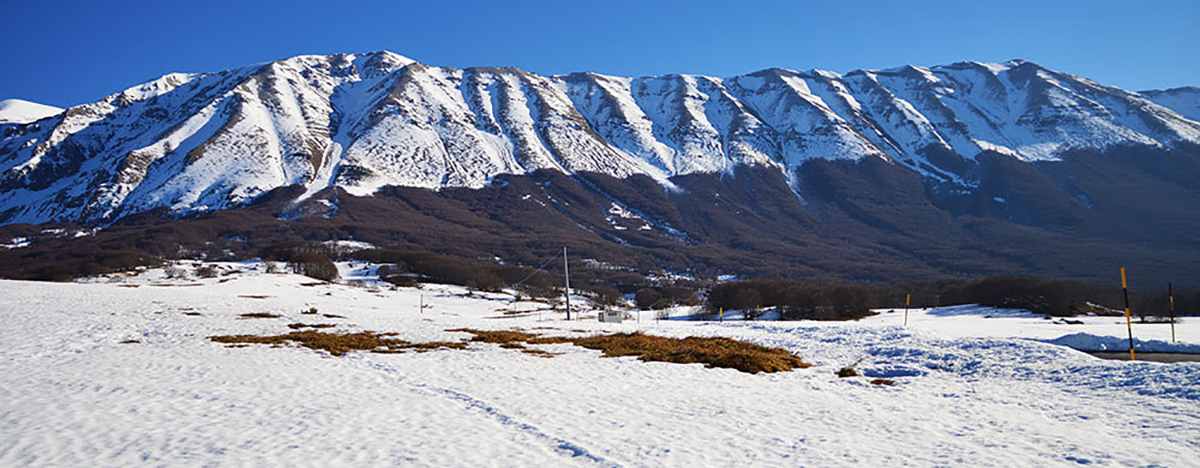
(566,283)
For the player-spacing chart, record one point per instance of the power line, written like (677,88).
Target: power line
(540,269)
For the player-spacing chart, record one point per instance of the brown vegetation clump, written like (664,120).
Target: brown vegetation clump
(129,342)
(297,326)
(313,265)
(258,315)
(884,382)
(337,344)
(539,352)
(192,314)
(508,336)
(432,345)
(847,372)
(713,352)
(495,336)
(512,339)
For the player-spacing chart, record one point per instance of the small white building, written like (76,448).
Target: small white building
(611,316)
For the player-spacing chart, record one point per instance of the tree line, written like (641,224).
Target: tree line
(799,300)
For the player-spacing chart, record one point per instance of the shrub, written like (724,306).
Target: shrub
(175,272)
(313,265)
(679,295)
(206,271)
(1056,298)
(795,300)
(607,295)
(647,299)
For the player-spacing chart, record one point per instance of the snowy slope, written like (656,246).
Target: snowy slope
(208,141)
(1185,100)
(75,395)
(18,111)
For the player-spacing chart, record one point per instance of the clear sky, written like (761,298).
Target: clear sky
(69,52)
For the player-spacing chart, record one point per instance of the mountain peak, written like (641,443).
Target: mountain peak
(21,111)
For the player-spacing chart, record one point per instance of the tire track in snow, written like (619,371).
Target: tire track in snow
(559,445)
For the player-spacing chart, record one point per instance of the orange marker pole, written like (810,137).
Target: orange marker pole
(1128,321)
(1171,299)
(907,299)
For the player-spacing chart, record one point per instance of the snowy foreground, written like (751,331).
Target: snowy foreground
(76,392)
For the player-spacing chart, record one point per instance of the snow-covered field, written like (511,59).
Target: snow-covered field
(76,392)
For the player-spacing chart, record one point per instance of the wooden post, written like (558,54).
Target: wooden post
(1171,300)
(566,283)
(907,299)
(1128,320)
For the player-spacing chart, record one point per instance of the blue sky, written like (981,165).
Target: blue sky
(66,52)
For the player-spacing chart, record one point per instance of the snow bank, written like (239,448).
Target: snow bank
(1090,342)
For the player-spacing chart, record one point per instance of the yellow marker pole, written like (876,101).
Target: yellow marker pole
(907,299)
(722,314)
(1171,299)
(757,312)
(1128,320)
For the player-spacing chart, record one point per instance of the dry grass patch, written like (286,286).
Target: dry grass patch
(192,314)
(433,345)
(712,352)
(338,344)
(258,315)
(129,342)
(496,336)
(884,382)
(333,316)
(539,352)
(509,336)
(297,326)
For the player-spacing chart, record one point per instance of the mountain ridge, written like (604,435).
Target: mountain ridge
(207,141)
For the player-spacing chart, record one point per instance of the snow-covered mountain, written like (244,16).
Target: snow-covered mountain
(18,111)
(198,142)
(1185,100)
